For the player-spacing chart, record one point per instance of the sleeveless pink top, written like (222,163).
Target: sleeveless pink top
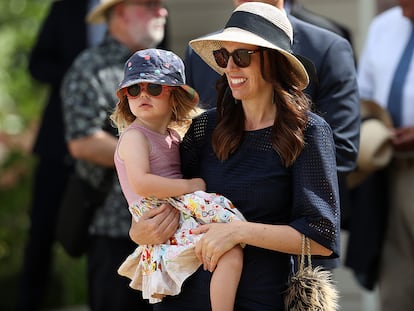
(164,158)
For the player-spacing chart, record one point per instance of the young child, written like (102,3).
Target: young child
(152,97)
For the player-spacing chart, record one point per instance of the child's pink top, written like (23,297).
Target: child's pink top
(164,158)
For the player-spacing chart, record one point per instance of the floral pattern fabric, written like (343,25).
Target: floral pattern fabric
(159,270)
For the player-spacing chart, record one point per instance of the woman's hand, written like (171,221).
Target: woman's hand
(218,238)
(155,226)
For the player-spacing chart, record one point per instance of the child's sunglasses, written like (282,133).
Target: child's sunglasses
(152,89)
(241,57)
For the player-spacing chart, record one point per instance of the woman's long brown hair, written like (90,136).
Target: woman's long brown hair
(292,107)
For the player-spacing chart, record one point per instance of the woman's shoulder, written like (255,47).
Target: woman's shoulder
(206,119)
(317,128)
(206,114)
(316,120)
(201,127)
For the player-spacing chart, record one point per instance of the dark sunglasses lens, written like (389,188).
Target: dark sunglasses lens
(134,90)
(241,58)
(154,89)
(221,57)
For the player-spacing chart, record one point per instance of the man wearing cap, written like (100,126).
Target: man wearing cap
(88,93)
(333,89)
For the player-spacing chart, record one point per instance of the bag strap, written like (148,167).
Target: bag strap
(305,253)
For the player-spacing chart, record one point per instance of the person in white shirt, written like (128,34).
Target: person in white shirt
(390,34)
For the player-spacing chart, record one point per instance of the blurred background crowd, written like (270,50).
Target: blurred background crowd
(22,100)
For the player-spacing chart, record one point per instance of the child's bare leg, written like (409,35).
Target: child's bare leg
(225,280)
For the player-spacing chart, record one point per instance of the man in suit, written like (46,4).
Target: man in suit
(62,37)
(333,87)
(386,76)
(299,11)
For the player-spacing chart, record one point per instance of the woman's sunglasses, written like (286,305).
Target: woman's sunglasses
(241,57)
(152,89)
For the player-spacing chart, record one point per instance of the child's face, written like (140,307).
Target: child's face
(152,89)
(149,101)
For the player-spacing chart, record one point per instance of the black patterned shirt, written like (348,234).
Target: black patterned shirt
(88,93)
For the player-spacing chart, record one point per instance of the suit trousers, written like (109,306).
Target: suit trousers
(396,284)
(108,291)
(49,182)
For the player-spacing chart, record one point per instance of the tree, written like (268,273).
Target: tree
(21,103)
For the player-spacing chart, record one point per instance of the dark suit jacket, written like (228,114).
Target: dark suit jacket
(61,38)
(300,12)
(335,92)
(370,205)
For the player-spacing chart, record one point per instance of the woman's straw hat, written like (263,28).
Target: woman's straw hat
(258,24)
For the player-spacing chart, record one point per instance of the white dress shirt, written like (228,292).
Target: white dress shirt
(387,37)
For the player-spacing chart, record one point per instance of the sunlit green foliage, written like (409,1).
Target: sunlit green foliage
(21,103)
(19,96)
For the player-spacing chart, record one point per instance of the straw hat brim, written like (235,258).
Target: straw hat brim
(370,109)
(376,150)
(97,15)
(205,46)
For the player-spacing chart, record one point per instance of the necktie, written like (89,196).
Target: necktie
(395,97)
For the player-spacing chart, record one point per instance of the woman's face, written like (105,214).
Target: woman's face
(246,83)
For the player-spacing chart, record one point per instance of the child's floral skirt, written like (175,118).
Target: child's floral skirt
(160,270)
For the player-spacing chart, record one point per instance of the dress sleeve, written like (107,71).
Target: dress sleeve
(316,210)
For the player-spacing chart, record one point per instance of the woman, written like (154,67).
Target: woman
(264,150)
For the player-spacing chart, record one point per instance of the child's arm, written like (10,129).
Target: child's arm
(134,150)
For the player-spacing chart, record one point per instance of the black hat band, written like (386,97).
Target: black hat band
(261,27)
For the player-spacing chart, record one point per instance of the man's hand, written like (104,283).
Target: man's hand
(403,139)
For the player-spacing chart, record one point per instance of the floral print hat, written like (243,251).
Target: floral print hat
(156,66)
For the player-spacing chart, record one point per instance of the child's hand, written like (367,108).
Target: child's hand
(198,184)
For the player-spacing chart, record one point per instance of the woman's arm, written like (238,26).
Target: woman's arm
(219,238)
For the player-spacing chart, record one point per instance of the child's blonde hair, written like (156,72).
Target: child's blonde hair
(182,105)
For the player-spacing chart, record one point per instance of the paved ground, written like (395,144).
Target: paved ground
(353,297)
